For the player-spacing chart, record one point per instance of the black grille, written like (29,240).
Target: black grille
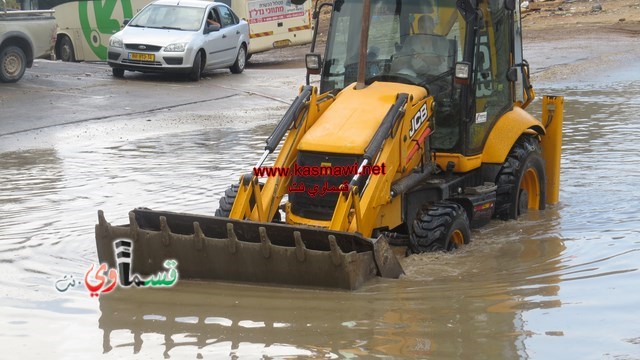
(320,206)
(145,47)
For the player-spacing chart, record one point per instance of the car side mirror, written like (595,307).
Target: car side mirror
(211,28)
(314,63)
(125,22)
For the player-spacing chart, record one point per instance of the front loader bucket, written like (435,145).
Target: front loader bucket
(214,248)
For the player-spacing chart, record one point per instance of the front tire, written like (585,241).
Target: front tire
(443,226)
(521,181)
(226,203)
(241,61)
(196,70)
(13,63)
(118,73)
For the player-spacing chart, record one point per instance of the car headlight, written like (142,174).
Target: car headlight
(115,42)
(177,47)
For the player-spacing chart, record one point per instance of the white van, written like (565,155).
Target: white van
(274,23)
(84,27)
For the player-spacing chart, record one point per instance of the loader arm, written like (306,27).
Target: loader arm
(267,198)
(401,151)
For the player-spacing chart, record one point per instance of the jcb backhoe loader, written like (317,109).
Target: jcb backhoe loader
(416,133)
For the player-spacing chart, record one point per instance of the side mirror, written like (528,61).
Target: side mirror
(314,63)
(125,22)
(463,73)
(298,2)
(211,28)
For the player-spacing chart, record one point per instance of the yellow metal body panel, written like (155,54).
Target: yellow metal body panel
(462,164)
(552,115)
(505,133)
(362,110)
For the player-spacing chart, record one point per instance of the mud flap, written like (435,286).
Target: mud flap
(213,248)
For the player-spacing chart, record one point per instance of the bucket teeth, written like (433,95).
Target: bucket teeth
(101,219)
(233,239)
(165,230)
(265,242)
(133,226)
(198,236)
(336,252)
(301,249)
(103,225)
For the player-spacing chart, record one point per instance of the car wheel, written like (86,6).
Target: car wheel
(196,70)
(13,63)
(118,72)
(241,61)
(65,50)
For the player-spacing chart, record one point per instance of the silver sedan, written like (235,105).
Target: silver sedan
(181,37)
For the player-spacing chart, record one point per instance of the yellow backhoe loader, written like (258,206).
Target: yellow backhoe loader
(416,133)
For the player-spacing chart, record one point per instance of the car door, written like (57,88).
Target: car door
(230,33)
(214,43)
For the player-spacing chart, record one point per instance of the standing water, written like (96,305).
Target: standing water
(558,283)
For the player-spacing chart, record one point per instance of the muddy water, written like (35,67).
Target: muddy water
(563,282)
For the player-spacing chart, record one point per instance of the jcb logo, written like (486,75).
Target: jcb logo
(418,119)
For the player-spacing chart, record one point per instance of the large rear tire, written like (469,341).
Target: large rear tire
(521,181)
(440,227)
(226,203)
(13,63)
(241,61)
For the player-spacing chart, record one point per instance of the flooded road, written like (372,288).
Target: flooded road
(559,283)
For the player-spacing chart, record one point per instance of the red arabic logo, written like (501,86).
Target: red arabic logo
(102,280)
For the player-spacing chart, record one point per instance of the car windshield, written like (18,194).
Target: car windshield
(169,17)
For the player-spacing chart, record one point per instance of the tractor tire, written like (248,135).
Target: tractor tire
(13,63)
(521,180)
(443,226)
(241,61)
(196,70)
(226,203)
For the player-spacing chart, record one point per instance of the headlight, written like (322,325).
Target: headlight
(177,47)
(115,42)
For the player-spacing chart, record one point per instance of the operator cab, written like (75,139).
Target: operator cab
(421,42)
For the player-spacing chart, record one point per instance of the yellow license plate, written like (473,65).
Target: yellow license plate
(281,43)
(142,57)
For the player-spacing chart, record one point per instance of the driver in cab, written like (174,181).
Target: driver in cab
(424,52)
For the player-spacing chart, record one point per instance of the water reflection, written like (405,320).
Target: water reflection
(448,306)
